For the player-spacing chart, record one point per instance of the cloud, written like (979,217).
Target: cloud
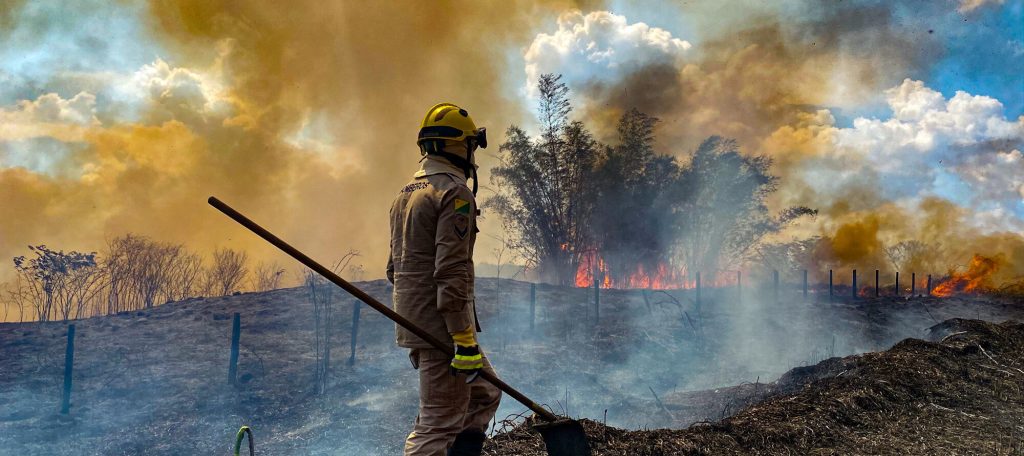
(926,128)
(962,148)
(51,108)
(600,45)
(966,6)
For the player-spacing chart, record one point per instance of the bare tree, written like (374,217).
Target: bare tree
(17,295)
(154,270)
(267,276)
(228,270)
(905,253)
(50,280)
(321,295)
(185,276)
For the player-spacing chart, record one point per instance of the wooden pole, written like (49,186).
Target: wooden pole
(854,284)
(533,304)
(69,364)
(739,286)
(236,332)
(698,293)
(897,284)
(597,297)
(928,291)
(805,284)
(355,332)
(913,284)
(829,284)
(775,281)
(876,283)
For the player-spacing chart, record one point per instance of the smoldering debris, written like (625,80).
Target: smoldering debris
(910,398)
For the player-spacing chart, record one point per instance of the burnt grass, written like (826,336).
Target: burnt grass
(724,377)
(960,393)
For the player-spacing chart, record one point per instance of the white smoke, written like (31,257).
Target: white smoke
(598,44)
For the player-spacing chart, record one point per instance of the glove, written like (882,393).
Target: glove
(468,358)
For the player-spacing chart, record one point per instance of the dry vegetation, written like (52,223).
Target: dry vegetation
(154,380)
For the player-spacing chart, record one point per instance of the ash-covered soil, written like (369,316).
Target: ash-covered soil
(962,392)
(155,381)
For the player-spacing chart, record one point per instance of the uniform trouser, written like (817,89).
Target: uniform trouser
(448,405)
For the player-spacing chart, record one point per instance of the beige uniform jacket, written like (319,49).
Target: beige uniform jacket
(433,229)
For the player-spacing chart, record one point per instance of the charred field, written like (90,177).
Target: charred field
(736,374)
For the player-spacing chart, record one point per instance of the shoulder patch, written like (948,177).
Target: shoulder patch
(462,206)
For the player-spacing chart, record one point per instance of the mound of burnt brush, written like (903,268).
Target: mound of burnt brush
(958,393)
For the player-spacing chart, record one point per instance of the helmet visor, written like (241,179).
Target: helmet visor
(435,132)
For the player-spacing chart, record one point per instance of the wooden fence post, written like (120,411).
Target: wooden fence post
(928,291)
(854,284)
(533,304)
(913,284)
(69,364)
(775,281)
(897,284)
(355,332)
(876,283)
(739,286)
(236,332)
(805,284)
(829,284)
(698,292)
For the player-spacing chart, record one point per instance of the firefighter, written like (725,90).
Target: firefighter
(433,229)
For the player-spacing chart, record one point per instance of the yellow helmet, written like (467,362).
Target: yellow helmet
(446,121)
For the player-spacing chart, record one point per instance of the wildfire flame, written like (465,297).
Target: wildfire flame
(978,278)
(663,277)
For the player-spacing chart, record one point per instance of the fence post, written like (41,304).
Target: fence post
(533,304)
(876,283)
(739,286)
(805,284)
(928,291)
(698,290)
(775,281)
(236,332)
(355,332)
(897,284)
(854,284)
(913,284)
(829,284)
(69,364)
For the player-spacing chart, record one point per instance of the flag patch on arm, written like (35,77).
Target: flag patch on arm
(462,206)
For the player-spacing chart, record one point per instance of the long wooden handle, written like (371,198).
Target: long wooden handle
(370,301)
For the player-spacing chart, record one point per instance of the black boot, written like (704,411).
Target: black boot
(468,443)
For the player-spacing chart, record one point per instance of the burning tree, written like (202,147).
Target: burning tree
(626,215)
(544,184)
(636,218)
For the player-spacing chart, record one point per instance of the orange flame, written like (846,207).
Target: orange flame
(664,277)
(978,278)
